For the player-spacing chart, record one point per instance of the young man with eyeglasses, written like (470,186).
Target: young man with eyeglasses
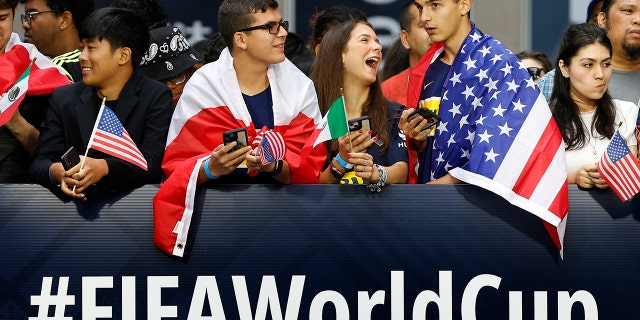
(113,42)
(251,86)
(53,26)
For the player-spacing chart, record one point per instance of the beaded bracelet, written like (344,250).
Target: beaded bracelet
(337,174)
(206,170)
(377,186)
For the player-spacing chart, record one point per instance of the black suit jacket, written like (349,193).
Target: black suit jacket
(144,108)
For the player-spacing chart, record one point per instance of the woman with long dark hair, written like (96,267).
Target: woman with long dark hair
(585,112)
(347,63)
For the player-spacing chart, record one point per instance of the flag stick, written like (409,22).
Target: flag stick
(104,99)
(344,107)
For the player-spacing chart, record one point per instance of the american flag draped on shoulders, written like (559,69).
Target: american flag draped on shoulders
(497,132)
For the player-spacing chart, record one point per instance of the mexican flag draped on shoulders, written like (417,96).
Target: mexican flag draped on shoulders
(211,104)
(496,130)
(20,77)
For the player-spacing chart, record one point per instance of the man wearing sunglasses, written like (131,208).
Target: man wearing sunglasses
(252,86)
(53,26)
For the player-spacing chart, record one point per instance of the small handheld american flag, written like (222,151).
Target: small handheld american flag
(109,136)
(272,147)
(620,168)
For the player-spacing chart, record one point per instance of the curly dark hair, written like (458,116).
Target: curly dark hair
(149,10)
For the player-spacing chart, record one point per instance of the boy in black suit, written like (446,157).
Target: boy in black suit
(113,42)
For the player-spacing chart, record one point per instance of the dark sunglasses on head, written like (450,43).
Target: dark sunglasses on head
(535,72)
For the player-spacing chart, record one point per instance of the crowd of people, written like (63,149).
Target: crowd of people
(176,100)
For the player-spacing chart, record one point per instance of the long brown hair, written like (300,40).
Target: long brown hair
(327,75)
(564,109)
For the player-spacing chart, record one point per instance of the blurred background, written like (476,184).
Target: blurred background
(519,24)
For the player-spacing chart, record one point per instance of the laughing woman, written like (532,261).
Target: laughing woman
(585,112)
(348,62)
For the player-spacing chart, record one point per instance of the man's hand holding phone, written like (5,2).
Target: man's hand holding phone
(227,156)
(70,163)
(92,172)
(418,125)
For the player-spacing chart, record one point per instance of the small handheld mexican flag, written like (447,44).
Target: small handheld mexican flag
(11,100)
(333,125)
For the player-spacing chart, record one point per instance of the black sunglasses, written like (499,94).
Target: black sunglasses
(272,27)
(535,72)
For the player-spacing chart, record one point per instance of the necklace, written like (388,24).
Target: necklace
(594,152)
(592,139)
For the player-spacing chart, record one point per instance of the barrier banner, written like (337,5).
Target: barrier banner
(318,252)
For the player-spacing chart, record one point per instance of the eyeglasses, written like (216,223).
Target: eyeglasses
(182,79)
(535,72)
(273,27)
(28,16)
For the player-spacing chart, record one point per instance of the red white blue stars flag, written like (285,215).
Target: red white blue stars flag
(620,168)
(272,147)
(110,137)
(497,132)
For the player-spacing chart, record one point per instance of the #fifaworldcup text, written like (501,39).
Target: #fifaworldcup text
(52,306)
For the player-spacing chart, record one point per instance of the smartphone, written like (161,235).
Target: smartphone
(361,123)
(430,116)
(70,158)
(239,135)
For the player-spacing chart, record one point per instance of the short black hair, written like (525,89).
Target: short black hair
(406,16)
(79,9)
(121,27)
(322,21)
(541,57)
(234,15)
(606,5)
(9,4)
(150,11)
(211,47)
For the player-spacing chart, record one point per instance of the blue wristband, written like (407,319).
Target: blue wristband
(343,163)
(206,170)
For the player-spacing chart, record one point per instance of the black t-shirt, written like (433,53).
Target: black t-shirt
(430,98)
(396,151)
(14,159)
